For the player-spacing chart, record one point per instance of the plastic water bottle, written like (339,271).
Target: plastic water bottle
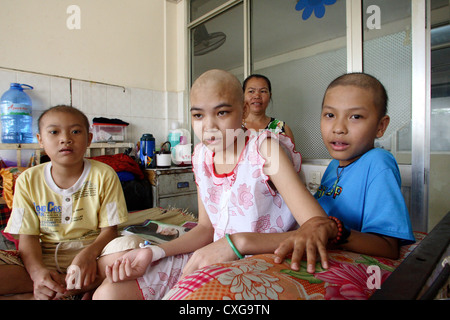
(16,115)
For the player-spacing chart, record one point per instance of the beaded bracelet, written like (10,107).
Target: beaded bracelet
(236,251)
(343,233)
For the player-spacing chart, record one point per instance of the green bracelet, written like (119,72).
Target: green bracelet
(236,251)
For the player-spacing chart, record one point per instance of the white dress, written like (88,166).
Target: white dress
(243,200)
(240,201)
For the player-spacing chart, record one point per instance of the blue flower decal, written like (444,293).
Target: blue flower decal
(318,6)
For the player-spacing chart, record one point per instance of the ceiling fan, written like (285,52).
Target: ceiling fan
(205,42)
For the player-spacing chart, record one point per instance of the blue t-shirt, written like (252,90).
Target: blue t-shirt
(367,196)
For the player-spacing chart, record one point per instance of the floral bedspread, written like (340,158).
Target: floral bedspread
(350,276)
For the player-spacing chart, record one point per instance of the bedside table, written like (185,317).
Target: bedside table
(174,187)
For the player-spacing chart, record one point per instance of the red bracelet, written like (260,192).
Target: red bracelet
(339,238)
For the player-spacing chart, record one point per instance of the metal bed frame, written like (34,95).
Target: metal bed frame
(424,272)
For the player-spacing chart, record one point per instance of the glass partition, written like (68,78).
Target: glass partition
(300,54)
(218,43)
(387,55)
(199,8)
(439,202)
(301,46)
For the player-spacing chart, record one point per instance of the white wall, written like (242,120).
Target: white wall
(127,60)
(128,43)
(147,111)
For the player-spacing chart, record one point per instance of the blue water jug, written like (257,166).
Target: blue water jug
(147,157)
(16,115)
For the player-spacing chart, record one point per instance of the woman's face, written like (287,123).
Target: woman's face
(257,95)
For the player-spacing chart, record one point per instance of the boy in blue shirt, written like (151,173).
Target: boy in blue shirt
(360,189)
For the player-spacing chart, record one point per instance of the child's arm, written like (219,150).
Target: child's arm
(282,173)
(46,283)
(365,243)
(134,263)
(86,259)
(315,227)
(372,244)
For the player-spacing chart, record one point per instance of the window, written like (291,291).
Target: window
(387,51)
(199,8)
(299,56)
(218,43)
(302,50)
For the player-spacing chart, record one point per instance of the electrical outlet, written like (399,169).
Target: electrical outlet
(315,177)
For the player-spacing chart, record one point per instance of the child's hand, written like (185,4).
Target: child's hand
(47,284)
(216,252)
(85,268)
(311,237)
(130,266)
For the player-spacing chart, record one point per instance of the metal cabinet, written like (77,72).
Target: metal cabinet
(174,187)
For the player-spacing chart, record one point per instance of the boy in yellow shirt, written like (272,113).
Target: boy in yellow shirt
(64,211)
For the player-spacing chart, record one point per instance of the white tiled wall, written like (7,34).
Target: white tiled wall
(147,111)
